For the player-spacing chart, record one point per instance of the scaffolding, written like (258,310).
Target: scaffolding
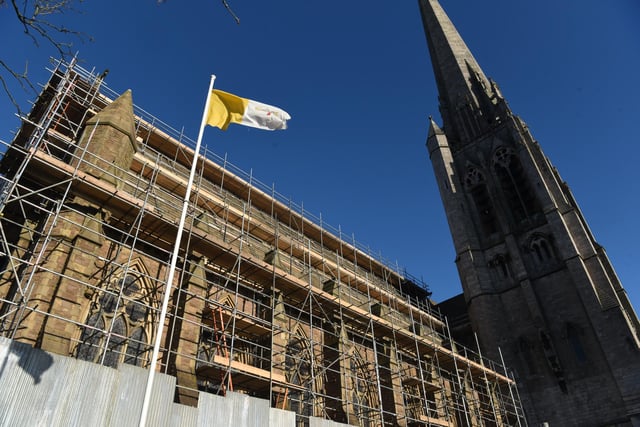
(268,300)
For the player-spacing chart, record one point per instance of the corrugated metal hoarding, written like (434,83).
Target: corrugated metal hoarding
(42,389)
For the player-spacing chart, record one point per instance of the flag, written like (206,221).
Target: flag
(225,108)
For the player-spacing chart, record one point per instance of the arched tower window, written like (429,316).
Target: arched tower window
(500,263)
(525,349)
(542,249)
(514,184)
(477,187)
(118,324)
(574,336)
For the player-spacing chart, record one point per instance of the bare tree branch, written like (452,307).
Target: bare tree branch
(38,22)
(21,78)
(224,3)
(226,6)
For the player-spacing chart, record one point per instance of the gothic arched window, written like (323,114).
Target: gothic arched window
(118,323)
(514,184)
(477,188)
(363,396)
(299,372)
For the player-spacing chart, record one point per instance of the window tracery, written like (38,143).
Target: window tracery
(477,187)
(299,372)
(362,393)
(515,186)
(118,322)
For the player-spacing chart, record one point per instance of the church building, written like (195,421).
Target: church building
(274,317)
(272,314)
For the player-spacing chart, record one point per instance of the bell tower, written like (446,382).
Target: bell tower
(536,283)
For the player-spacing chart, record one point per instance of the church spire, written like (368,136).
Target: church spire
(536,284)
(469,101)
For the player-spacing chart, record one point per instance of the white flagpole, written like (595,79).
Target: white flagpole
(174,260)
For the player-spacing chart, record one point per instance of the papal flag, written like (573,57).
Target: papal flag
(226,108)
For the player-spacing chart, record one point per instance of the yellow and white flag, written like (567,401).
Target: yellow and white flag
(226,108)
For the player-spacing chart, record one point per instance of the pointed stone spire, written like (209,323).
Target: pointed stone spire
(434,129)
(467,97)
(108,143)
(436,138)
(119,115)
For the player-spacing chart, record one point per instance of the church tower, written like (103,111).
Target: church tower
(536,283)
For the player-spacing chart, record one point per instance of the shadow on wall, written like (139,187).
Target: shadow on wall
(33,361)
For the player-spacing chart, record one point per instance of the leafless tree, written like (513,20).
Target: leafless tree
(225,3)
(38,21)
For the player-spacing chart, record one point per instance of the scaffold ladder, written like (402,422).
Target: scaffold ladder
(221,346)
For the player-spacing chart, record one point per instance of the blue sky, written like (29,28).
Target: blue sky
(356,78)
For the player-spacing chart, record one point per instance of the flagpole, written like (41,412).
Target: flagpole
(174,260)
